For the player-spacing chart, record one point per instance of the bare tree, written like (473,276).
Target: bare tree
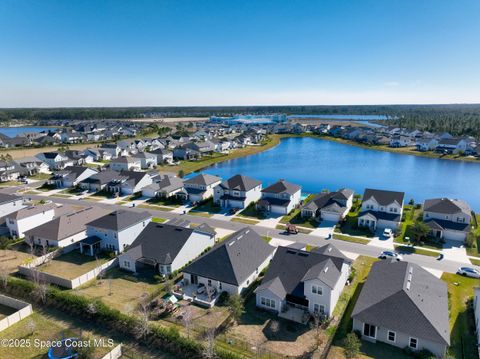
(275,327)
(187,319)
(142,329)
(209,349)
(31,326)
(318,320)
(4,277)
(110,286)
(92,308)
(41,288)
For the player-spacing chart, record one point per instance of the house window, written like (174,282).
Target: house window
(369,330)
(267,302)
(220,285)
(391,336)
(209,282)
(319,308)
(316,289)
(126,264)
(169,269)
(413,343)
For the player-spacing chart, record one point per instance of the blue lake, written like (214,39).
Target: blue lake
(320,164)
(14,131)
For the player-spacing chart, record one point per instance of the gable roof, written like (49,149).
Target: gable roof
(331,201)
(120,219)
(292,267)
(102,177)
(160,242)
(203,179)
(446,206)
(31,211)
(383,197)
(6,198)
(240,183)
(233,260)
(282,186)
(66,225)
(404,297)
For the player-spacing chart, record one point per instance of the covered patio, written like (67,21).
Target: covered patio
(90,245)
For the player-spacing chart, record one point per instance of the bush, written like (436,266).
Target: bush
(351,345)
(353,272)
(223,299)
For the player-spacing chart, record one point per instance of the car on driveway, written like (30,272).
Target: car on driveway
(390,255)
(469,272)
(387,233)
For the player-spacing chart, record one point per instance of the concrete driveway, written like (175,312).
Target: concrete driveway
(379,240)
(324,229)
(455,251)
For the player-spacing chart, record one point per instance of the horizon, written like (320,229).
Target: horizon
(272,53)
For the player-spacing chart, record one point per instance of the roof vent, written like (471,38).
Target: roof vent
(325,270)
(329,249)
(408,285)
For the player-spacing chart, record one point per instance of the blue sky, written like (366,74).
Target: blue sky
(126,53)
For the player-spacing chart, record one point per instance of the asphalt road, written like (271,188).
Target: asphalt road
(372,251)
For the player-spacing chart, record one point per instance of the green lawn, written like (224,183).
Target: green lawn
(347,238)
(350,224)
(244,220)
(462,322)
(171,202)
(158,220)
(300,230)
(475,261)
(295,217)
(252,212)
(158,208)
(72,264)
(475,249)
(410,250)
(206,207)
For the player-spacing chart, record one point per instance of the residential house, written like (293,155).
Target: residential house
(111,148)
(165,248)
(55,160)
(32,166)
(186,152)
(381,209)
(64,231)
(125,163)
(426,144)
(401,141)
(280,198)
(29,217)
(147,160)
(9,171)
(164,156)
(451,145)
(129,182)
(447,218)
(329,206)
(200,187)
(167,186)
(71,137)
(299,284)
(403,305)
(237,192)
(10,203)
(117,230)
(232,265)
(71,176)
(99,181)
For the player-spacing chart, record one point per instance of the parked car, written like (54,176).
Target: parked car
(469,272)
(391,255)
(387,232)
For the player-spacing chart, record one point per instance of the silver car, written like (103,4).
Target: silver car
(469,272)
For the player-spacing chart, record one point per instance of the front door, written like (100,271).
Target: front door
(194,279)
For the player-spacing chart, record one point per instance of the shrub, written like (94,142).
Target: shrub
(351,345)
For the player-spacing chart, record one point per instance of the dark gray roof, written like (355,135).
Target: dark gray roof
(404,297)
(72,172)
(441,224)
(294,266)
(240,183)
(119,220)
(102,177)
(384,198)
(233,260)
(5,198)
(203,179)
(282,186)
(205,228)
(159,243)
(446,206)
(387,216)
(332,201)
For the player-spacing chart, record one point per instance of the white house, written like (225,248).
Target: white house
(309,281)
(232,265)
(65,230)
(280,198)
(55,160)
(147,160)
(163,156)
(129,182)
(451,145)
(200,187)
(111,148)
(166,248)
(71,176)
(125,163)
(10,203)
(381,209)
(237,192)
(329,206)
(426,144)
(447,218)
(166,186)
(118,229)
(30,217)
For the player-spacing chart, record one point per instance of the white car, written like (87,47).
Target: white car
(469,272)
(391,255)
(387,232)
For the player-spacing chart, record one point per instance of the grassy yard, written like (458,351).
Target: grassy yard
(11,259)
(295,217)
(10,184)
(300,230)
(462,323)
(405,250)
(244,220)
(154,207)
(42,327)
(171,202)
(475,261)
(205,208)
(350,224)
(252,212)
(121,290)
(475,249)
(158,220)
(72,265)
(60,195)
(347,238)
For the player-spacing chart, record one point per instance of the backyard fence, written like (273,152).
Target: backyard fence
(24,310)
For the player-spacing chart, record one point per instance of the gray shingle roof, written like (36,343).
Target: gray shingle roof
(240,183)
(119,220)
(446,206)
(282,186)
(387,216)
(332,201)
(203,179)
(404,297)
(5,198)
(384,198)
(441,224)
(31,211)
(233,260)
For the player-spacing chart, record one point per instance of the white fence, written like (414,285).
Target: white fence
(30,270)
(115,353)
(24,310)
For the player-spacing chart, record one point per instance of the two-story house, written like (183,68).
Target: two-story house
(118,229)
(166,248)
(124,163)
(280,198)
(10,203)
(71,176)
(447,218)
(129,182)
(200,187)
(147,160)
(237,192)
(30,217)
(329,206)
(55,160)
(381,209)
(112,149)
(307,281)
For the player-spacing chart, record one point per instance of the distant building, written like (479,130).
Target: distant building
(250,119)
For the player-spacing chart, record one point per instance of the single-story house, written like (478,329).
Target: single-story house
(71,176)
(329,206)
(166,186)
